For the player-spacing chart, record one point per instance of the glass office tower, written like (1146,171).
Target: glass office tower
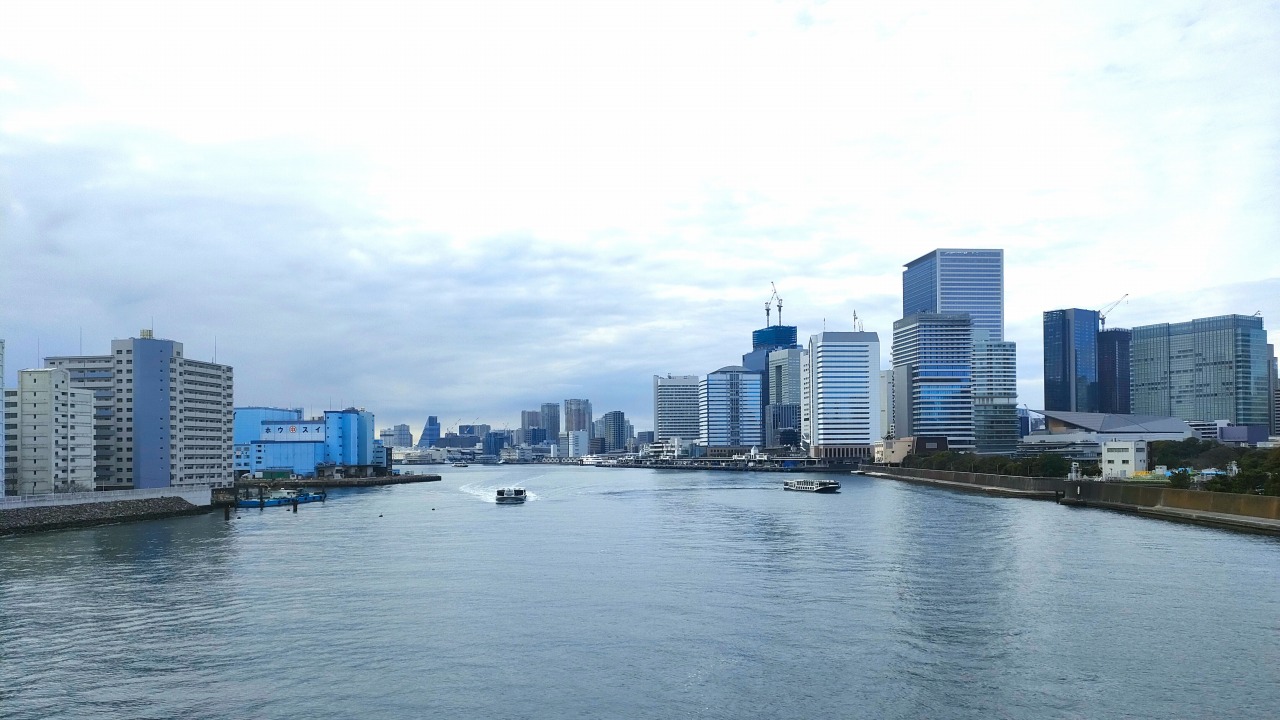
(1113,371)
(1207,369)
(1071,360)
(955,281)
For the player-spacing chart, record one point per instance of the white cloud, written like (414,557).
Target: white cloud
(469,208)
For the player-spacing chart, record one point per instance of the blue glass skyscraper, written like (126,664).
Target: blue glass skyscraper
(1071,360)
(956,281)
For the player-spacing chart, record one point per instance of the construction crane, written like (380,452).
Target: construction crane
(767,304)
(1102,314)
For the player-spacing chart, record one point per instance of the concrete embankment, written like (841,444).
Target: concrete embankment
(1247,513)
(57,517)
(1035,488)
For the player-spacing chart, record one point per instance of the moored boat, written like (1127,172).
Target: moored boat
(459,464)
(283,496)
(510,495)
(811,485)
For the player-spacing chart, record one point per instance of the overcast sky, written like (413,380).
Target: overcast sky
(469,208)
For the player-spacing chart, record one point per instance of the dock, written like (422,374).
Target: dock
(328,483)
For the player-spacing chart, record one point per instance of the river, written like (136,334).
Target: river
(642,594)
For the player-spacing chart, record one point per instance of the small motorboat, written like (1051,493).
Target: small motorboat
(284,496)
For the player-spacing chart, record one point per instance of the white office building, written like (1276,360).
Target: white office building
(161,419)
(575,443)
(675,407)
(843,394)
(729,408)
(50,446)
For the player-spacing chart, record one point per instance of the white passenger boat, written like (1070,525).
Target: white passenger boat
(510,495)
(810,485)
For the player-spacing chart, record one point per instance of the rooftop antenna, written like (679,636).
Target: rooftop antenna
(215,348)
(857,324)
(82,340)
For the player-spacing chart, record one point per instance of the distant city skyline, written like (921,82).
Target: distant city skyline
(577,213)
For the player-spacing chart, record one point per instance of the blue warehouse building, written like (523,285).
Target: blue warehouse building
(279,439)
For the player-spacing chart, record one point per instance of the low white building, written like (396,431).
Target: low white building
(1123,458)
(50,446)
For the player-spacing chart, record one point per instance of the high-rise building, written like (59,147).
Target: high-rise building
(161,419)
(403,436)
(933,378)
(530,419)
(51,447)
(1113,371)
(430,433)
(675,407)
(843,394)
(1207,369)
(955,281)
(729,408)
(886,402)
(577,414)
(1275,393)
(1071,360)
(551,420)
(4,436)
(995,396)
(783,395)
(764,343)
(614,430)
(387,436)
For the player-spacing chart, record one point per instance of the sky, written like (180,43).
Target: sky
(466,209)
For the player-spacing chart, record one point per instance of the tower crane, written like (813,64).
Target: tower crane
(1102,314)
(768,302)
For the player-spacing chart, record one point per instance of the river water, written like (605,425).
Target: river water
(642,594)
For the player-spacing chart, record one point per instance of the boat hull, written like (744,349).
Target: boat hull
(273,502)
(823,488)
(509,500)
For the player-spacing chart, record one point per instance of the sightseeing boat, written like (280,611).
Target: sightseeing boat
(510,495)
(810,485)
(283,496)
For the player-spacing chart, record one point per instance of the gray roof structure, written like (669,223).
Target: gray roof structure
(1109,423)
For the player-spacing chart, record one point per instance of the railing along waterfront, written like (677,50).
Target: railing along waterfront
(195,494)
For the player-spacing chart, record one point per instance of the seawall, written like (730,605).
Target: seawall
(1247,513)
(35,518)
(1035,488)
